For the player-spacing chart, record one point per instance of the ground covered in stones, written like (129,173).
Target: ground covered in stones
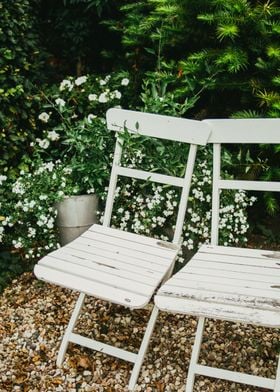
(34,315)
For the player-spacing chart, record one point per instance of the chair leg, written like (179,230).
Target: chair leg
(195,354)
(143,348)
(69,329)
(277,379)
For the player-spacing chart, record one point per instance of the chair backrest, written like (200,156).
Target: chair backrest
(156,126)
(239,131)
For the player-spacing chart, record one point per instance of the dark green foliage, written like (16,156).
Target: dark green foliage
(20,66)
(73,34)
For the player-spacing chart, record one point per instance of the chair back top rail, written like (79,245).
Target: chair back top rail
(158,126)
(246,131)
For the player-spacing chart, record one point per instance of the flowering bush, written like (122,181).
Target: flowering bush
(71,157)
(73,128)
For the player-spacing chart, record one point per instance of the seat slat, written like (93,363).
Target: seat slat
(110,280)
(99,290)
(128,264)
(202,265)
(127,244)
(227,312)
(226,250)
(220,298)
(256,275)
(106,267)
(183,286)
(91,245)
(168,246)
(237,260)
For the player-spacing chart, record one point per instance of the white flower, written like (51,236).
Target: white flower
(80,80)
(43,143)
(124,82)
(2,179)
(102,82)
(118,94)
(92,97)
(103,98)
(44,117)
(52,135)
(18,188)
(60,102)
(91,117)
(43,197)
(66,85)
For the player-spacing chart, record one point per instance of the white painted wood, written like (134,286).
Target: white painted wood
(132,237)
(143,348)
(113,182)
(91,260)
(158,126)
(122,243)
(102,347)
(240,378)
(114,265)
(91,246)
(270,186)
(69,329)
(254,274)
(218,311)
(185,195)
(113,278)
(265,130)
(277,378)
(102,291)
(150,176)
(215,194)
(195,354)
(228,283)
(264,254)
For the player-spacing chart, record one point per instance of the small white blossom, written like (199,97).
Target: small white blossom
(92,97)
(80,80)
(44,117)
(117,94)
(43,143)
(66,85)
(60,102)
(125,82)
(103,98)
(53,135)
(2,179)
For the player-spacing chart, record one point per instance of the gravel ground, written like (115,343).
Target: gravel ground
(34,315)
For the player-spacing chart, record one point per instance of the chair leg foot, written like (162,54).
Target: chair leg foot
(143,348)
(69,330)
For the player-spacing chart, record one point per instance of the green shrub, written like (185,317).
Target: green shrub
(20,66)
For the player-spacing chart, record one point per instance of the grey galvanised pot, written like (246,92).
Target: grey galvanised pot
(75,214)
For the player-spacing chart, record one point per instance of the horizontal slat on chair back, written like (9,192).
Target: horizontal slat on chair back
(158,126)
(260,130)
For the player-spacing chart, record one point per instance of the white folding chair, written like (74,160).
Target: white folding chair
(228,283)
(117,266)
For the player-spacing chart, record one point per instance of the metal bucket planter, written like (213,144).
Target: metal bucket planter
(75,214)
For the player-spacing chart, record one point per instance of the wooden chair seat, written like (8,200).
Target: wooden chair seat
(233,284)
(117,266)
